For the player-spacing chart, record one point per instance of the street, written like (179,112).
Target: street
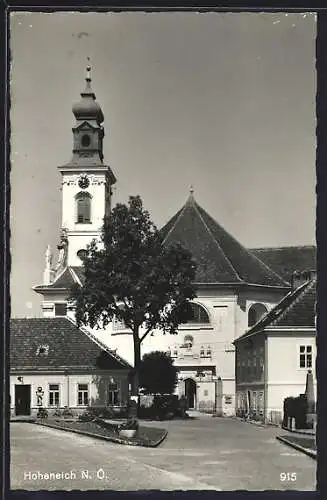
(205,453)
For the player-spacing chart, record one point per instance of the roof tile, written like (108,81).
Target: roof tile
(68,346)
(286,260)
(297,309)
(219,256)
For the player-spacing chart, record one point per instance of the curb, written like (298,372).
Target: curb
(104,438)
(294,431)
(25,421)
(298,447)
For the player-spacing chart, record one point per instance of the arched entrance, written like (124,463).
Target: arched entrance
(190,393)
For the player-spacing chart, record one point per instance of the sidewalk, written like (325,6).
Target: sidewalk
(306,432)
(306,445)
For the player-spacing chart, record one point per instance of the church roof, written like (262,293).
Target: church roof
(297,309)
(286,260)
(64,280)
(64,346)
(220,258)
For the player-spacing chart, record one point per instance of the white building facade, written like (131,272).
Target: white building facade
(234,287)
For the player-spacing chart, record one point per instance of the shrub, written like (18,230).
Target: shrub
(67,412)
(57,413)
(42,413)
(296,408)
(131,424)
(157,373)
(86,416)
(164,407)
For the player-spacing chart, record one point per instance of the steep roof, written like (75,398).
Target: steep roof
(286,260)
(65,345)
(296,309)
(64,280)
(219,256)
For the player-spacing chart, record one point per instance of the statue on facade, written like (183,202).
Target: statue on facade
(48,273)
(48,257)
(62,247)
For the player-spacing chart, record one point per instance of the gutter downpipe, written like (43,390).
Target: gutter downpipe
(265,375)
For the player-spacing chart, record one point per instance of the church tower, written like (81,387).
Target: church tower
(86,198)
(86,180)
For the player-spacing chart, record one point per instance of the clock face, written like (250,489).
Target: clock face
(83,182)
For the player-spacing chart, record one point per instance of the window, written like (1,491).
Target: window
(54,395)
(83,208)
(254,400)
(305,356)
(202,352)
(113,395)
(82,394)
(198,314)
(205,392)
(255,313)
(175,353)
(82,253)
(86,140)
(209,352)
(61,309)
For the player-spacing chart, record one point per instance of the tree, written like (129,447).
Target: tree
(132,276)
(157,374)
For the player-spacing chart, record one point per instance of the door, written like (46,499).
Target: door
(22,399)
(190,393)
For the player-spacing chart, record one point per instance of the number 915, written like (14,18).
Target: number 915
(287,476)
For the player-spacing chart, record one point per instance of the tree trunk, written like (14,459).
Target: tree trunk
(134,396)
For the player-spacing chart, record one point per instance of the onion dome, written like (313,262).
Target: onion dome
(88,108)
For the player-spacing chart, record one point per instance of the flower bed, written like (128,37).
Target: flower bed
(146,436)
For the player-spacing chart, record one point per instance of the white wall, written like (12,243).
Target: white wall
(284,376)
(68,385)
(283,358)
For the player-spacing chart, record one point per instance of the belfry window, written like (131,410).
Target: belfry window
(83,208)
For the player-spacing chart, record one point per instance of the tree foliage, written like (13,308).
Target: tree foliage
(157,373)
(133,276)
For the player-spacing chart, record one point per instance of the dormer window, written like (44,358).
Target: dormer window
(42,350)
(83,208)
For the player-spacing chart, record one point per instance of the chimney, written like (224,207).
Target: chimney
(301,277)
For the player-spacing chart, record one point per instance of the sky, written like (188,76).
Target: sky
(224,102)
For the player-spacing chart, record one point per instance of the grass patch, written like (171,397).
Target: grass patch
(146,436)
(305,442)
